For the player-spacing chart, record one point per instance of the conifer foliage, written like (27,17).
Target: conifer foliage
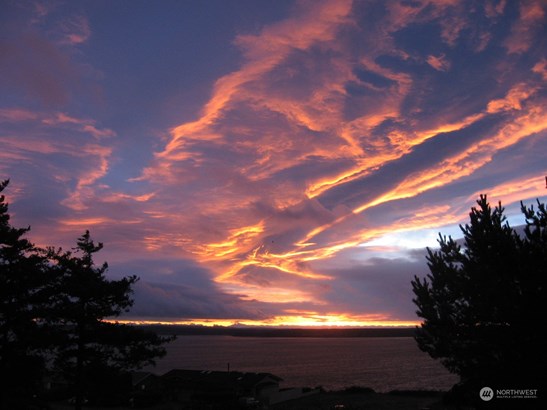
(22,296)
(482,301)
(56,315)
(88,346)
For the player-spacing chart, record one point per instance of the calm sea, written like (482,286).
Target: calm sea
(390,363)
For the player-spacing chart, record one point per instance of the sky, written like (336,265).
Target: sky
(269,162)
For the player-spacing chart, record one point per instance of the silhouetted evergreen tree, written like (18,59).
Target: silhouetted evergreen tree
(22,298)
(53,307)
(84,299)
(483,302)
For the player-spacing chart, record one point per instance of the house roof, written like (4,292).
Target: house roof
(138,377)
(245,380)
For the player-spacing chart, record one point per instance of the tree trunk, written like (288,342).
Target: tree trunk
(79,399)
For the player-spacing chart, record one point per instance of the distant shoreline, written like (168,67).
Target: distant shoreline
(189,330)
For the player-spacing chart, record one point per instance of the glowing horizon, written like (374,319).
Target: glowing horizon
(283,322)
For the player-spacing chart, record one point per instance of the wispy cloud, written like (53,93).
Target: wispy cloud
(65,149)
(530,23)
(75,30)
(286,127)
(438,62)
(336,127)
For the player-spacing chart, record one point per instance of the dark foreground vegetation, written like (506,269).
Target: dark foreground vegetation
(54,339)
(483,303)
(327,400)
(357,398)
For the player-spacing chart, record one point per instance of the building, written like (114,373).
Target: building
(208,385)
(227,386)
(145,381)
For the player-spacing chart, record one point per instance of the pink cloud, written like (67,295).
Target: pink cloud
(541,68)
(17,115)
(75,30)
(494,8)
(439,63)
(85,125)
(529,24)
(59,144)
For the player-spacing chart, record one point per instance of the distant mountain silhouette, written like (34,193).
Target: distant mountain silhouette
(279,332)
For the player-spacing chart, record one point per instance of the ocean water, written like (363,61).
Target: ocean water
(384,364)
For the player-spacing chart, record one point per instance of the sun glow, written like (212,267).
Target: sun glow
(312,320)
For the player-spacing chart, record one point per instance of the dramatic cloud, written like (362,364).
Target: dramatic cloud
(274,163)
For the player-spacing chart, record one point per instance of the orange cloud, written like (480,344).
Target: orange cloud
(239,240)
(516,190)
(327,144)
(236,250)
(449,170)
(401,144)
(264,52)
(465,163)
(513,100)
(238,246)
(274,294)
(86,223)
(541,68)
